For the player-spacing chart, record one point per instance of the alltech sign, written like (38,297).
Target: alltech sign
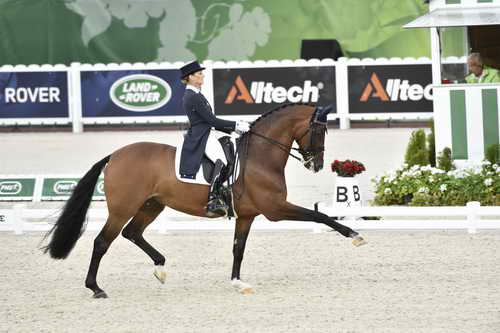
(395,88)
(248,91)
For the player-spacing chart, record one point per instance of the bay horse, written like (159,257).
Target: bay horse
(140,180)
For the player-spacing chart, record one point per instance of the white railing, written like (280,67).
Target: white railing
(430,217)
(20,219)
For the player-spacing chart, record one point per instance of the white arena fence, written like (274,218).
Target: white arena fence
(473,217)
(84,94)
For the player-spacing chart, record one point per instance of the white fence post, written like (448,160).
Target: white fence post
(342,87)
(18,219)
(472,216)
(76,97)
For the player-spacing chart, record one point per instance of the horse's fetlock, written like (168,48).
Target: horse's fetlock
(159,261)
(126,234)
(91,284)
(100,246)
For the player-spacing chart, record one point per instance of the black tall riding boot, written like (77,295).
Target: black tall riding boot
(216,205)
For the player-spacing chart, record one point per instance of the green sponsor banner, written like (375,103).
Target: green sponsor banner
(62,188)
(54,188)
(17,188)
(97,31)
(99,188)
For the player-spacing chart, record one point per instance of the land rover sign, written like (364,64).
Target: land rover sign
(140,92)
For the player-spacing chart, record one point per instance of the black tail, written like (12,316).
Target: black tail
(69,226)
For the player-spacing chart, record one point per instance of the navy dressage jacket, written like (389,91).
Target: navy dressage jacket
(201,119)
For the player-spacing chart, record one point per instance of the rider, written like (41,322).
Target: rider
(202,120)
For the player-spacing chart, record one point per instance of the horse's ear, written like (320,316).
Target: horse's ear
(322,113)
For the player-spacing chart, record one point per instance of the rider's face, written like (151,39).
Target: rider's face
(196,79)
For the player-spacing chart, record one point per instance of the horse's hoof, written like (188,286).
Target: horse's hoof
(358,241)
(242,288)
(100,294)
(247,291)
(160,275)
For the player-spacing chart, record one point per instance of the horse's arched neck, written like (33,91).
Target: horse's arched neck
(282,133)
(282,129)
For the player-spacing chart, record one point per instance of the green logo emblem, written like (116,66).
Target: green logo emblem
(10,187)
(64,186)
(100,187)
(140,92)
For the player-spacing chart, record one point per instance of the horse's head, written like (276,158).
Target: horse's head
(312,141)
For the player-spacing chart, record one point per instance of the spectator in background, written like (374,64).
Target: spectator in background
(479,72)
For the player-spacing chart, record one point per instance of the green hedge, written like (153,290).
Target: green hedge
(428,186)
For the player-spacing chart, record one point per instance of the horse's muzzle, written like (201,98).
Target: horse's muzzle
(315,164)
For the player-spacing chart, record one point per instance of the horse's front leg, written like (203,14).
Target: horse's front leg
(241,231)
(287,211)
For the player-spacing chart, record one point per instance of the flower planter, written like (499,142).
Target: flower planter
(346,192)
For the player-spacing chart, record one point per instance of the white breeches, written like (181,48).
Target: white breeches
(214,149)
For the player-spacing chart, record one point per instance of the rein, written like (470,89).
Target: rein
(282,146)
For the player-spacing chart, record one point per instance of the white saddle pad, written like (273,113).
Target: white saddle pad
(200,179)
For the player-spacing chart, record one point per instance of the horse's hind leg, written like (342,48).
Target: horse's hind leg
(134,230)
(111,229)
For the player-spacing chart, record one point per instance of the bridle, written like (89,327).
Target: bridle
(316,127)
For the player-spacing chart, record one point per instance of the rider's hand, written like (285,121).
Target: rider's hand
(242,127)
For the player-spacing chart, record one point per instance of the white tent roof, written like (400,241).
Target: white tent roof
(457,17)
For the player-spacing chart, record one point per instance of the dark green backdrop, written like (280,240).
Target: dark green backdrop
(63,31)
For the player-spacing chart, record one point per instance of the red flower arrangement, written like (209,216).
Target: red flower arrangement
(347,168)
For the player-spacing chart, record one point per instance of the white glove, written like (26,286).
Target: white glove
(242,127)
